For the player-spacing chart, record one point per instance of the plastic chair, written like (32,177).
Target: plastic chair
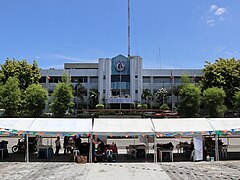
(75,154)
(192,157)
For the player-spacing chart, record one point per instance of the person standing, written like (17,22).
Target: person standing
(78,142)
(58,146)
(65,144)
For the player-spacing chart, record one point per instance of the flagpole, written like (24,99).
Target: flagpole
(172,89)
(47,87)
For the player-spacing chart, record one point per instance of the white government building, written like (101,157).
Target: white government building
(120,81)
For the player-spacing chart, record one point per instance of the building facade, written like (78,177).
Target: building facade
(120,81)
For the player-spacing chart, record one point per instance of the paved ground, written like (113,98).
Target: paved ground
(177,170)
(62,167)
(69,171)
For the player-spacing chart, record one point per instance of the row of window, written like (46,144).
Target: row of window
(57,79)
(168,79)
(118,78)
(122,78)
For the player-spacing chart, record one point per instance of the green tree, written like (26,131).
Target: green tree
(79,92)
(213,102)
(237,101)
(62,98)
(185,79)
(224,73)
(36,97)
(10,97)
(27,74)
(147,97)
(189,100)
(93,98)
(164,107)
(161,95)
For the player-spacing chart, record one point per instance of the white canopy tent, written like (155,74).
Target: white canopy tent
(50,125)
(224,123)
(122,126)
(182,125)
(62,125)
(47,124)
(23,124)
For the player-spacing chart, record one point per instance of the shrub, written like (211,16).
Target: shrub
(164,107)
(100,106)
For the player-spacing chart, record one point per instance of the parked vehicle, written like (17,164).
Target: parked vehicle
(21,145)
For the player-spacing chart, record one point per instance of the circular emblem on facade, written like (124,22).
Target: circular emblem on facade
(120,66)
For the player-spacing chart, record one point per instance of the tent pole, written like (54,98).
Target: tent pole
(216,148)
(155,148)
(90,149)
(134,139)
(27,150)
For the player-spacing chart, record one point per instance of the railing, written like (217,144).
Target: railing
(118,100)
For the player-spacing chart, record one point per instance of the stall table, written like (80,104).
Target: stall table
(170,151)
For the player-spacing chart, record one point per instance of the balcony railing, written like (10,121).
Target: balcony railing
(118,100)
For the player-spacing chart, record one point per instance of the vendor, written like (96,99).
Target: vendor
(100,146)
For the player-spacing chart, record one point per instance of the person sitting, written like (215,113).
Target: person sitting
(100,150)
(70,145)
(100,147)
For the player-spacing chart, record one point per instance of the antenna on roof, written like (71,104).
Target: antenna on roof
(128,28)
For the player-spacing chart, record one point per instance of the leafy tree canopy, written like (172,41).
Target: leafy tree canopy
(213,102)
(224,73)
(10,97)
(93,98)
(27,74)
(62,97)
(185,79)
(189,101)
(237,100)
(36,97)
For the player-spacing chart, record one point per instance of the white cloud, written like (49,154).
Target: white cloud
(218,49)
(233,53)
(70,58)
(214,15)
(60,56)
(213,7)
(210,22)
(220,11)
(222,18)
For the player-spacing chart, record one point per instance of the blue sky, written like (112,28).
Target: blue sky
(166,34)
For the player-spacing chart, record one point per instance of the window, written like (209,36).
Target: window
(104,91)
(55,79)
(42,80)
(146,79)
(136,76)
(136,91)
(123,78)
(93,79)
(161,79)
(75,79)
